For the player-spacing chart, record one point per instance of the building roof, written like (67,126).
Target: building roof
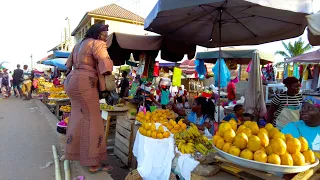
(112,10)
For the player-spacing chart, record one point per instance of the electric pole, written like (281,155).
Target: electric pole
(31,61)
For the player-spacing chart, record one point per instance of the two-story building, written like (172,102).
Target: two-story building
(119,20)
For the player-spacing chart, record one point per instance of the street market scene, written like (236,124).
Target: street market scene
(160,90)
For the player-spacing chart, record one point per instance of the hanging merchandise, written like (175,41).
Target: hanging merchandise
(200,68)
(305,73)
(150,69)
(176,79)
(290,70)
(232,65)
(142,61)
(285,71)
(156,69)
(268,73)
(224,73)
(234,75)
(296,73)
(249,67)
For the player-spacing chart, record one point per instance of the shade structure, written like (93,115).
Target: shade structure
(163,63)
(243,22)
(240,56)
(58,62)
(254,96)
(314,29)
(61,54)
(311,57)
(121,46)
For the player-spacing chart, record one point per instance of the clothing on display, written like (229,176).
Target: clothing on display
(268,73)
(296,73)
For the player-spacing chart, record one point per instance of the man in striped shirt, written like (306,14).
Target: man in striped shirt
(289,100)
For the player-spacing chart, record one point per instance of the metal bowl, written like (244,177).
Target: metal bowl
(271,168)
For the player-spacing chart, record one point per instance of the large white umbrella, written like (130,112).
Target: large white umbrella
(217,23)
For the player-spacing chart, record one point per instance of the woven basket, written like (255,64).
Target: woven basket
(134,175)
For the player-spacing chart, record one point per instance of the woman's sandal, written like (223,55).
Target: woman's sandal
(103,167)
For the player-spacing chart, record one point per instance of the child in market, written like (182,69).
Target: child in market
(237,115)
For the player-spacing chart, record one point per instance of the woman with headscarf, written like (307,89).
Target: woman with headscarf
(285,107)
(85,134)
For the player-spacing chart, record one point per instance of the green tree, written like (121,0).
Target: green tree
(295,49)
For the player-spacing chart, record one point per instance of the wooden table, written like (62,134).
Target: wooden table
(59,102)
(107,114)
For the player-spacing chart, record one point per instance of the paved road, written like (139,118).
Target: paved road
(26,136)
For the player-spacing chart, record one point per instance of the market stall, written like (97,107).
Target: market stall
(314,29)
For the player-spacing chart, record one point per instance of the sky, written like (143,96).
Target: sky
(35,26)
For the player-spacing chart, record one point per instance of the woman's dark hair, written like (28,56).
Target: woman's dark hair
(207,106)
(290,80)
(95,30)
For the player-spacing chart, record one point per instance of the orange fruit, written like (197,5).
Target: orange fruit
(176,126)
(166,134)
(183,126)
(159,136)
(154,135)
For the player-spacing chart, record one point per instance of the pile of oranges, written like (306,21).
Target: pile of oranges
(157,116)
(150,130)
(267,145)
(175,127)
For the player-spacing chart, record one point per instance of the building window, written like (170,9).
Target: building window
(96,21)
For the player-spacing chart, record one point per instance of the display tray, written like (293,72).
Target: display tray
(117,109)
(58,99)
(271,168)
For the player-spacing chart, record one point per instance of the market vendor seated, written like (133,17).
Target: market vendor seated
(201,113)
(309,125)
(181,98)
(237,115)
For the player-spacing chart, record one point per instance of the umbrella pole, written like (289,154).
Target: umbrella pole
(219,68)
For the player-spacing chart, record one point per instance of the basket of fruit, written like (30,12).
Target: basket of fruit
(264,149)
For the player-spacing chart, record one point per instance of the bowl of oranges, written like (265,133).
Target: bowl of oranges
(264,149)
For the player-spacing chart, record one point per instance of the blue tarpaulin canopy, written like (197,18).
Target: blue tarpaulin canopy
(58,62)
(61,54)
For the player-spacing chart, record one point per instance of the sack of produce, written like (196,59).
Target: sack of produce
(206,170)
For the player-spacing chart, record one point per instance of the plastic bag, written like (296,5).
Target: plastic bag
(200,68)
(224,74)
(176,79)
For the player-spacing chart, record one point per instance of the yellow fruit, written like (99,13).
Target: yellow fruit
(293,145)
(154,134)
(247,123)
(278,146)
(260,156)
(224,127)
(173,123)
(246,154)
(241,140)
(247,131)
(274,159)
(219,133)
(254,128)
(263,149)
(263,138)
(268,126)
(269,150)
(288,136)
(176,126)
(234,150)
(166,134)
(263,130)
(226,147)
(298,159)
(254,143)
(229,135)
(183,126)
(180,122)
(233,124)
(220,143)
(216,138)
(141,129)
(286,159)
(272,132)
(309,156)
(161,129)
(153,127)
(144,132)
(279,135)
(304,144)
(149,133)
(240,129)
(159,135)
(169,127)
(317,154)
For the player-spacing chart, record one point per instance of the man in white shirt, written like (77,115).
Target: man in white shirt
(27,83)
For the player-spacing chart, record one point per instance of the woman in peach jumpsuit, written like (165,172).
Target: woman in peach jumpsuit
(85,133)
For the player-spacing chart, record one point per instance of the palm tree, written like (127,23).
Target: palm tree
(295,49)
